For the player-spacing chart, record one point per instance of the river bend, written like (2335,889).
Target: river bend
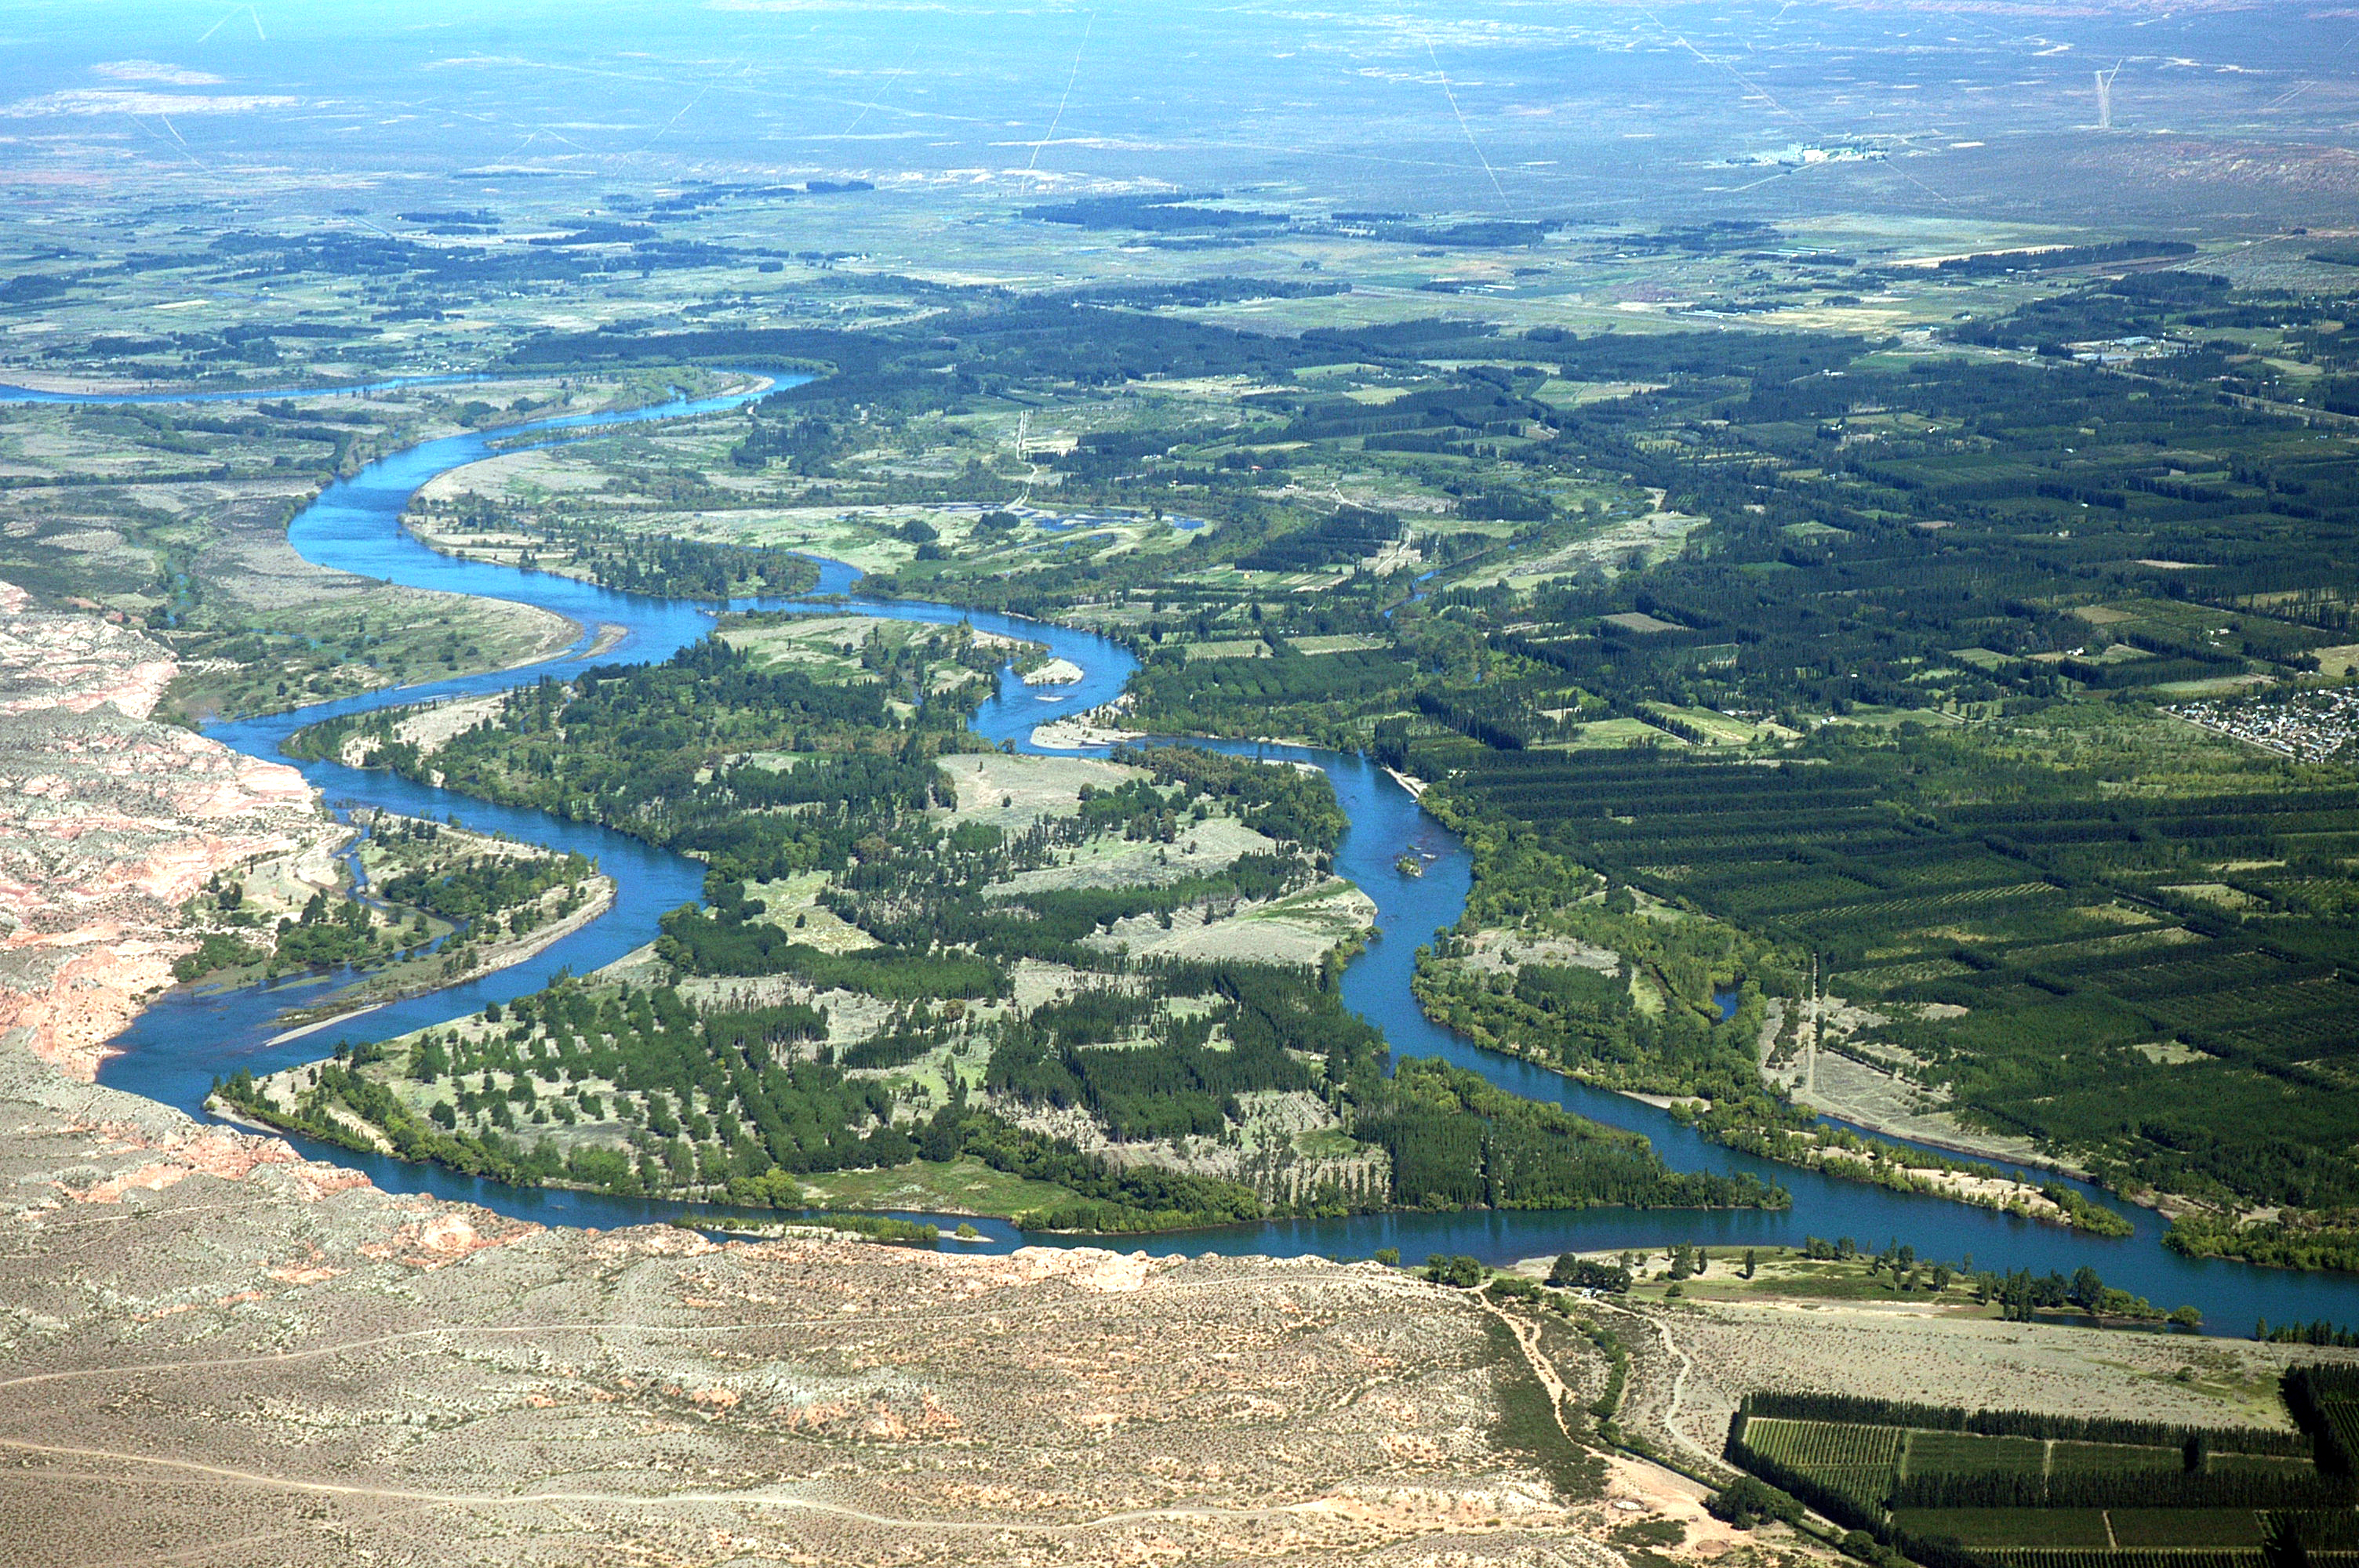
(174,1050)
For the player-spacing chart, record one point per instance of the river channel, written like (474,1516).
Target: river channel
(176,1048)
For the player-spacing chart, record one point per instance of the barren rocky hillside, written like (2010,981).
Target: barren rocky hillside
(213,1349)
(108,824)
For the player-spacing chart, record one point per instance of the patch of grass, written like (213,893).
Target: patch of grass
(1623,732)
(1845,1279)
(2103,1457)
(965,1185)
(1651,1533)
(2186,1526)
(2256,1464)
(1527,1431)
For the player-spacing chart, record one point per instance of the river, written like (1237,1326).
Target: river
(176,1048)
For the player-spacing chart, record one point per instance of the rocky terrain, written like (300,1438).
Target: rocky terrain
(213,1350)
(108,825)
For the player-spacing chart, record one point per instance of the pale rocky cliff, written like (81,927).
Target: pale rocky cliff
(215,1350)
(108,825)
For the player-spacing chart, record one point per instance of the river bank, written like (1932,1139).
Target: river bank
(355,526)
(368,995)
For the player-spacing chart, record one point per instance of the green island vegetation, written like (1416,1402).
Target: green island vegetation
(440,903)
(1996,1488)
(1965,650)
(1900,691)
(1111,982)
(1965,703)
(608,552)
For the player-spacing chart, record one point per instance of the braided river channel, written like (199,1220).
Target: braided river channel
(177,1047)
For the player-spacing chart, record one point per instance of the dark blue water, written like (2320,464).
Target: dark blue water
(177,1047)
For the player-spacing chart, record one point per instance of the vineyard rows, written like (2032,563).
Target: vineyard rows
(1819,1444)
(2101,1557)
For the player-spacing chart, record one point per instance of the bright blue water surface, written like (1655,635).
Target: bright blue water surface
(27,394)
(176,1048)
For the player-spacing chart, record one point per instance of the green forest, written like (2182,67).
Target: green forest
(1807,669)
(932,916)
(1965,600)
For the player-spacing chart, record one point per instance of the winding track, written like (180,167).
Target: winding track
(79,1464)
(761,1498)
(1391,1283)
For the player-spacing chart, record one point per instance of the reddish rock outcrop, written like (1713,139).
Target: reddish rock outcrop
(75,662)
(108,825)
(179,1150)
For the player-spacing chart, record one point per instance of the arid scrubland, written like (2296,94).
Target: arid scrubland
(214,1347)
(109,824)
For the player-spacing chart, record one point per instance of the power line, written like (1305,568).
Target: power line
(1059,118)
(895,75)
(233,11)
(1462,126)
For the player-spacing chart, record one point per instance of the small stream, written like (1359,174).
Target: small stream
(177,1047)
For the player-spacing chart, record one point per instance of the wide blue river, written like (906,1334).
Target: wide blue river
(176,1048)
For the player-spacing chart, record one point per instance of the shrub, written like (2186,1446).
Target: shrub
(1462,1271)
(1745,1502)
